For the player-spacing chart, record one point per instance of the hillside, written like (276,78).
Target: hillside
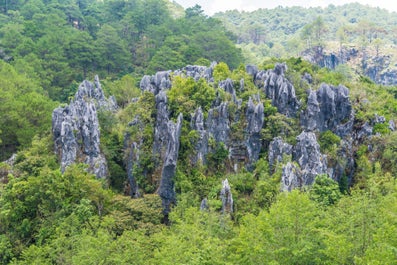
(163,147)
(360,36)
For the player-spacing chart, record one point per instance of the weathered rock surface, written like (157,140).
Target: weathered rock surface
(161,127)
(277,149)
(277,88)
(204,205)
(166,189)
(197,124)
(197,72)
(251,70)
(156,83)
(308,162)
(328,108)
(226,197)
(218,124)
(76,128)
(255,118)
(132,158)
(307,154)
(291,177)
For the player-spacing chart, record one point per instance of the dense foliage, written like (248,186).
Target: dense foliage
(288,31)
(48,47)
(49,217)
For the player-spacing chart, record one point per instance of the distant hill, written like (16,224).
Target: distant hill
(294,31)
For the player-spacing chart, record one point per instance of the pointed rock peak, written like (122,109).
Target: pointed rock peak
(76,128)
(204,205)
(251,70)
(166,189)
(226,197)
(280,68)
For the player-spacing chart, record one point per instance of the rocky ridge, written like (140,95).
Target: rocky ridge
(76,131)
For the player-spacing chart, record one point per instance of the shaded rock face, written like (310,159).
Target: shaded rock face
(255,117)
(279,90)
(156,83)
(317,55)
(328,108)
(132,157)
(160,129)
(197,124)
(226,197)
(277,148)
(308,162)
(291,177)
(251,70)
(378,70)
(197,72)
(76,128)
(166,189)
(218,124)
(307,154)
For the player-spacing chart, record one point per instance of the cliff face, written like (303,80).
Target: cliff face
(377,67)
(76,128)
(229,135)
(279,89)
(328,108)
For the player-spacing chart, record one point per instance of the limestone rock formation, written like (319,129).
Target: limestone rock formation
(204,205)
(132,157)
(307,160)
(161,125)
(197,124)
(328,108)
(255,118)
(277,149)
(197,72)
(251,70)
(291,177)
(226,197)
(156,83)
(218,124)
(166,189)
(307,154)
(76,129)
(277,88)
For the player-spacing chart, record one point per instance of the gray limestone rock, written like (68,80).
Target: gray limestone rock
(307,154)
(197,72)
(364,131)
(161,127)
(204,205)
(132,157)
(291,177)
(156,83)
(280,90)
(197,124)
(328,108)
(76,128)
(218,124)
(251,70)
(226,197)
(392,125)
(308,162)
(277,149)
(166,189)
(255,118)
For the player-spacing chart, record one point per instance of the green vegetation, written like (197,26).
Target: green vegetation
(290,31)
(49,217)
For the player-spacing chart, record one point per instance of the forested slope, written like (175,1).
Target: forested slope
(51,46)
(165,157)
(360,36)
